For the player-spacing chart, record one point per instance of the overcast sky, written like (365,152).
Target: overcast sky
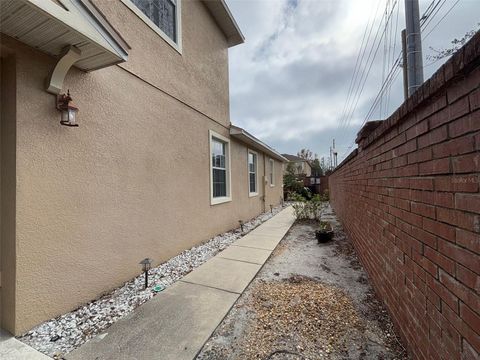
(289,81)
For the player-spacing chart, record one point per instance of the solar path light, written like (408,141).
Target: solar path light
(146,265)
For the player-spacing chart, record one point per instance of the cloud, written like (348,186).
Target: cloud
(289,81)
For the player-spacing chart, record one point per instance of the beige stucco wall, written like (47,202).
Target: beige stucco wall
(133,180)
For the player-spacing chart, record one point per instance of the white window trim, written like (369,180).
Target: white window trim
(178,23)
(272,183)
(220,200)
(252,194)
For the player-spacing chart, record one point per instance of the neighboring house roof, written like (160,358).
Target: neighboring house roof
(294,158)
(224,18)
(249,139)
(51,26)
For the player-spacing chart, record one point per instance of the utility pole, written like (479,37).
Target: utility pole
(405,64)
(414,46)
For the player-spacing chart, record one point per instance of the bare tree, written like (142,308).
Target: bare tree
(456,45)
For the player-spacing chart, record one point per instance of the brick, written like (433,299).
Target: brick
(459,108)
(422,183)
(417,130)
(466,124)
(443,230)
(444,199)
(444,294)
(441,166)
(469,352)
(463,256)
(422,196)
(442,261)
(423,209)
(465,330)
(470,317)
(474,99)
(424,237)
(454,147)
(422,155)
(466,163)
(459,218)
(468,239)
(460,290)
(433,137)
(457,183)
(468,278)
(468,202)
(462,88)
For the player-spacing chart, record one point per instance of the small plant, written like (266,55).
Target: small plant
(307,209)
(324,233)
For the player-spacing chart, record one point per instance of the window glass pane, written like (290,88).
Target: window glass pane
(253,183)
(219,183)
(162,14)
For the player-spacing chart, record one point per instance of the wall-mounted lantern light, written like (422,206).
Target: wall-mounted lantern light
(68,110)
(146,265)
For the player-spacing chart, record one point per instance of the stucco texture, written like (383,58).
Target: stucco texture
(132,181)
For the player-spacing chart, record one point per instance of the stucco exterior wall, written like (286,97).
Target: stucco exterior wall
(133,181)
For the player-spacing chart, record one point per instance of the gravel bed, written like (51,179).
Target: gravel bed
(59,336)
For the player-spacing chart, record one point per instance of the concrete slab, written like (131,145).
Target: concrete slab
(174,325)
(12,349)
(259,242)
(224,274)
(251,255)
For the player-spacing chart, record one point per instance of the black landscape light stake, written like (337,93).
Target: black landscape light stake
(146,265)
(271,208)
(241,224)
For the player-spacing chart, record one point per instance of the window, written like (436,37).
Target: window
(272,174)
(252,173)
(220,168)
(163,16)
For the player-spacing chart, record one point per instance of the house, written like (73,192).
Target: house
(301,166)
(148,163)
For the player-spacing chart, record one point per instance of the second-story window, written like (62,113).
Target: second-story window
(163,13)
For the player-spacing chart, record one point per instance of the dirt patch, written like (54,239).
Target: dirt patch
(309,301)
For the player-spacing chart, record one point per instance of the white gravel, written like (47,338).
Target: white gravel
(59,336)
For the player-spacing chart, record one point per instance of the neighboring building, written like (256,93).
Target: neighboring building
(301,166)
(155,166)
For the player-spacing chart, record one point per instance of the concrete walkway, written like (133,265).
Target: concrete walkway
(12,349)
(176,323)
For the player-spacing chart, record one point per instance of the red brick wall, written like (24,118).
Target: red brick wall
(409,199)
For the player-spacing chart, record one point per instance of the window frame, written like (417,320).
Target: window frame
(250,193)
(178,23)
(220,200)
(271,172)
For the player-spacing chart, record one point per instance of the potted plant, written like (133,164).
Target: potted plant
(325,233)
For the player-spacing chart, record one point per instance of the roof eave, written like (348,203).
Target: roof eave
(225,20)
(251,140)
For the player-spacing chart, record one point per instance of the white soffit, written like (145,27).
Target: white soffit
(247,138)
(53,26)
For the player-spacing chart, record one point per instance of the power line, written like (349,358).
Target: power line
(443,17)
(363,78)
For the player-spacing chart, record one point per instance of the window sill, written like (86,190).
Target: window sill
(272,185)
(220,200)
(252,194)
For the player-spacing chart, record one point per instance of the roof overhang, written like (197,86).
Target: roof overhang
(243,136)
(54,26)
(224,18)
